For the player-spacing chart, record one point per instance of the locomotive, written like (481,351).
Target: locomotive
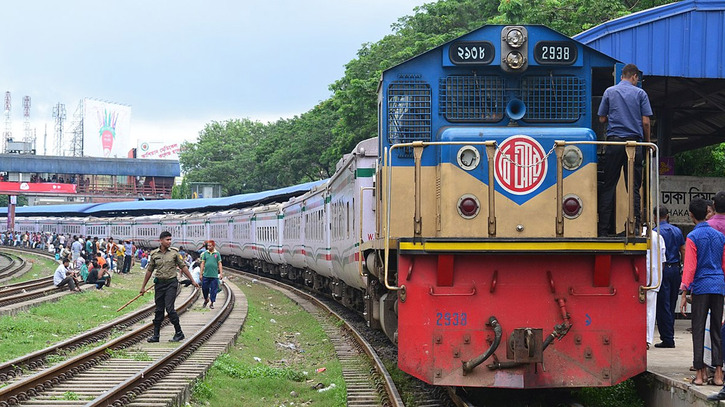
(467,230)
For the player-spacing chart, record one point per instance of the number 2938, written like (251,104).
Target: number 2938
(451,319)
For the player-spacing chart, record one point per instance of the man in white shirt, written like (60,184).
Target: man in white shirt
(62,276)
(654,277)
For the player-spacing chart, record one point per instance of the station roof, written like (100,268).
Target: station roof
(25,163)
(137,208)
(680,48)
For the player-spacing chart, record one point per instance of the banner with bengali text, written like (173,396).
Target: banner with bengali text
(23,188)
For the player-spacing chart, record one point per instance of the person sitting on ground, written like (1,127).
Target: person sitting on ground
(100,277)
(144,260)
(84,270)
(64,276)
(703,277)
(100,260)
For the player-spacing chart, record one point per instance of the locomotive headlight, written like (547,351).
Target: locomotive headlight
(572,157)
(468,157)
(515,38)
(571,206)
(515,60)
(468,206)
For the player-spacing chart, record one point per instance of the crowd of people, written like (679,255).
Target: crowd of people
(693,267)
(93,260)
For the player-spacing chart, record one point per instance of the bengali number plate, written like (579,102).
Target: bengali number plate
(471,52)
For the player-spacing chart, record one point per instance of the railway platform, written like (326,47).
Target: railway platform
(671,384)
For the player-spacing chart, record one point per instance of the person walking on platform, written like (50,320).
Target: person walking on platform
(164,261)
(703,275)
(211,266)
(671,278)
(626,110)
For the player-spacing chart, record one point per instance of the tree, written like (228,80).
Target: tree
(5,200)
(181,191)
(224,153)
(704,162)
(255,156)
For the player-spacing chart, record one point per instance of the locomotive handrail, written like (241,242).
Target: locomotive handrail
(630,230)
(654,178)
(418,146)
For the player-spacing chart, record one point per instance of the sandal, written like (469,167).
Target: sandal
(711,382)
(692,379)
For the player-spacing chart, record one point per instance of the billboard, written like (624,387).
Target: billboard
(36,187)
(158,150)
(106,129)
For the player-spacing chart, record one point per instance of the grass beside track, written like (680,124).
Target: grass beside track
(290,345)
(49,323)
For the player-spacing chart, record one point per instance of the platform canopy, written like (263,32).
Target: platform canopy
(680,48)
(31,164)
(138,208)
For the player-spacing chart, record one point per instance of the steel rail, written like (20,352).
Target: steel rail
(22,390)
(38,358)
(125,392)
(25,285)
(392,392)
(44,291)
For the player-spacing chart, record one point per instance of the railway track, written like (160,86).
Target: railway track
(126,370)
(13,297)
(368,384)
(11,266)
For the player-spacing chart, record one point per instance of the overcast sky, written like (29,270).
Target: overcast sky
(180,64)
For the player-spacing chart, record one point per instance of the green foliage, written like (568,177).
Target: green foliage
(237,369)
(704,162)
(69,395)
(623,394)
(181,191)
(5,199)
(201,391)
(246,156)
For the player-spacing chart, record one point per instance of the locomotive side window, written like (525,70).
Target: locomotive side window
(409,113)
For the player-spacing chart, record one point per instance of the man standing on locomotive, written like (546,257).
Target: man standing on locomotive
(165,260)
(626,110)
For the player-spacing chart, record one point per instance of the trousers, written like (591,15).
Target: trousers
(210,287)
(615,158)
(701,303)
(667,301)
(165,297)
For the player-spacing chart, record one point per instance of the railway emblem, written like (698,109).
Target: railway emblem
(520,165)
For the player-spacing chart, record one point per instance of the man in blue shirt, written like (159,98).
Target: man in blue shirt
(671,278)
(626,110)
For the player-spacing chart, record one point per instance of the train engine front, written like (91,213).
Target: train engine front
(487,218)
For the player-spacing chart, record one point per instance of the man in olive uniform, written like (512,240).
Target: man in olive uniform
(164,261)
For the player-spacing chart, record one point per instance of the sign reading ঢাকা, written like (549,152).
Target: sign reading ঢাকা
(520,165)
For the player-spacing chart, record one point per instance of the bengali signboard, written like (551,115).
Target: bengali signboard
(158,150)
(36,188)
(106,129)
(676,192)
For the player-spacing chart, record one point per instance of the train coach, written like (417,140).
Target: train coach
(467,230)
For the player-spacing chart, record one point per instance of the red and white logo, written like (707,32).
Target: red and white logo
(520,165)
